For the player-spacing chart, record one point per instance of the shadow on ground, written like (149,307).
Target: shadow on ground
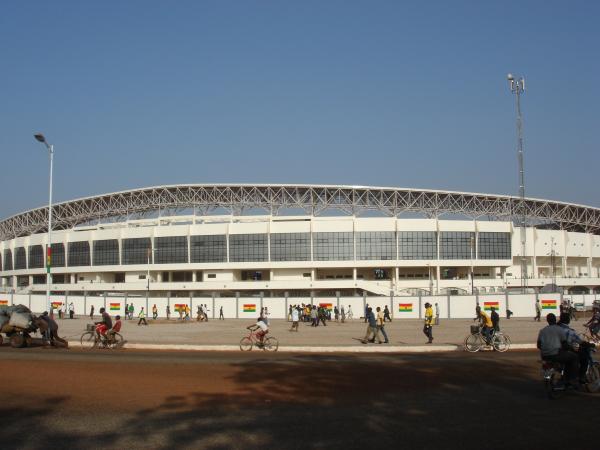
(315,401)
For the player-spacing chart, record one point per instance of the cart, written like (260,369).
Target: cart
(18,337)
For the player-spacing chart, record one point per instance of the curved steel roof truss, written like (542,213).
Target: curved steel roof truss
(314,200)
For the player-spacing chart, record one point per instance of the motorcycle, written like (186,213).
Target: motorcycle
(554,380)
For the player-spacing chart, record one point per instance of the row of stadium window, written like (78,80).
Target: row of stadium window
(256,247)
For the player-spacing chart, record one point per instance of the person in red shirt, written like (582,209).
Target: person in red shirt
(115,329)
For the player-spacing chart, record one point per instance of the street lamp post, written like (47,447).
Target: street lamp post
(517,87)
(40,137)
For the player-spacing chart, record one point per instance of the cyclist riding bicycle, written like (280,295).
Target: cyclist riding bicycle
(594,323)
(486,325)
(261,329)
(104,325)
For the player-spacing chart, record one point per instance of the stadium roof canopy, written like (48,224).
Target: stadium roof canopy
(313,199)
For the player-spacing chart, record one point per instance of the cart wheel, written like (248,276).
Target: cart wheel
(17,340)
(28,341)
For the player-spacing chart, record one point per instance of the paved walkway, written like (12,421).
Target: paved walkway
(404,335)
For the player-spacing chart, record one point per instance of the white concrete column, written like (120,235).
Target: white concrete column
(159,277)
(354,272)
(194,276)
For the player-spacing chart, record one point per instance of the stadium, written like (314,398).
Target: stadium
(300,241)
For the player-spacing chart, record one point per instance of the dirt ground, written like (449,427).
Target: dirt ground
(102,399)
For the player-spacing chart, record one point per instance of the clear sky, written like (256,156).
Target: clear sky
(384,93)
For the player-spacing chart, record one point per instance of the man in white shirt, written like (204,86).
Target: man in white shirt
(552,342)
(295,318)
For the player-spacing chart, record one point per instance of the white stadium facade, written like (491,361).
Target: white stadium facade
(223,244)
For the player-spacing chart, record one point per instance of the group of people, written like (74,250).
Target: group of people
(560,343)
(105,329)
(63,310)
(376,326)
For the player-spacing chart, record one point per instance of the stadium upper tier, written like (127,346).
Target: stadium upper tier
(313,199)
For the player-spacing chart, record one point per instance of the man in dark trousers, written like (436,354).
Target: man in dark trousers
(495,319)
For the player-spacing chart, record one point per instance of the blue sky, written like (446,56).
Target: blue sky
(407,94)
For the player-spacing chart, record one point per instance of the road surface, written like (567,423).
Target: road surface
(71,399)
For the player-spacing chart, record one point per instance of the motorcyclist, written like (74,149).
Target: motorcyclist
(552,342)
(104,325)
(576,344)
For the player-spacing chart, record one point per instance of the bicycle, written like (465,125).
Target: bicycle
(476,340)
(89,339)
(270,344)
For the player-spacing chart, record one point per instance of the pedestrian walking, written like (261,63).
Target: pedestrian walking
(131,310)
(386,314)
(289,316)
(366,310)
(71,310)
(205,312)
(538,311)
(92,312)
(221,316)
(437,314)
(199,313)
(343,314)
(349,314)
(381,325)
(372,330)
(187,313)
(314,316)
(168,312)
(295,319)
(154,312)
(142,317)
(427,328)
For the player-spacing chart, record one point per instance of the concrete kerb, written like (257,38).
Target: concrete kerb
(303,349)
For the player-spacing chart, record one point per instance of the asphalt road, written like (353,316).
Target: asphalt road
(52,398)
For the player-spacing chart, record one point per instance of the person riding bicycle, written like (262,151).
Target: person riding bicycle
(261,329)
(576,344)
(594,323)
(552,342)
(486,325)
(110,334)
(104,325)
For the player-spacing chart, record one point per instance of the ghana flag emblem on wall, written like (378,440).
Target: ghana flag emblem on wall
(56,304)
(3,302)
(115,306)
(405,307)
(250,307)
(328,306)
(487,306)
(180,307)
(548,304)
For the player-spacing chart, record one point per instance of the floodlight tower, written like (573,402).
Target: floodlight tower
(517,87)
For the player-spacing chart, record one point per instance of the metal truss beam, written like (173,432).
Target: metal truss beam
(314,200)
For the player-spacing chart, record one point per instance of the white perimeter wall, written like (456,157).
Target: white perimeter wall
(454,307)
